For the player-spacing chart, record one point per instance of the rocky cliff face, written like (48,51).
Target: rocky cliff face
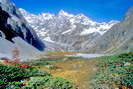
(16,32)
(118,39)
(69,32)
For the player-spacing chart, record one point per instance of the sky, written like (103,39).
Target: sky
(98,10)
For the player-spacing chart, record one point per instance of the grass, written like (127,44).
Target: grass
(49,82)
(52,60)
(75,69)
(100,73)
(103,72)
(11,75)
(61,53)
(115,72)
(34,77)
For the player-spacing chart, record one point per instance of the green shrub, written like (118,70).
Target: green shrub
(51,61)
(11,74)
(115,70)
(42,62)
(11,78)
(50,82)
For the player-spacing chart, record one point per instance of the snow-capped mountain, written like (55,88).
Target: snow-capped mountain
(71,32)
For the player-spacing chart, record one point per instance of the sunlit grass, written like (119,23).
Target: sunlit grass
(75,69)
(61,53)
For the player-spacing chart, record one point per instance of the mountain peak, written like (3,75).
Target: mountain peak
(46,16)
(81,15)
(22,10)
(129,14)
(66,29)
(64,13)
(64,19)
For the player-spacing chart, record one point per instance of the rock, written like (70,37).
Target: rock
(118,39)
(15,32)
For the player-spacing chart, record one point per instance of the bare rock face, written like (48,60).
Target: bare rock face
(14,31)
(118,39)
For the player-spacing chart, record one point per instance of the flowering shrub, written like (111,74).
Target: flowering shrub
(24,66)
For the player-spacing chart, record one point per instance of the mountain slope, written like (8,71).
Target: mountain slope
(118,39)
(16,32)
(68,31)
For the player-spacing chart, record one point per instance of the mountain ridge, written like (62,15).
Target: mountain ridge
(16,32)
(118,39)
(68,30)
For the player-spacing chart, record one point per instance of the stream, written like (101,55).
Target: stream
(86,55)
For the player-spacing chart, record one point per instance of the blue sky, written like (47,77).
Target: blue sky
(98,10)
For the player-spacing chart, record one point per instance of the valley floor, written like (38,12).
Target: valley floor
(58,71)
(76,69)
(106,72)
